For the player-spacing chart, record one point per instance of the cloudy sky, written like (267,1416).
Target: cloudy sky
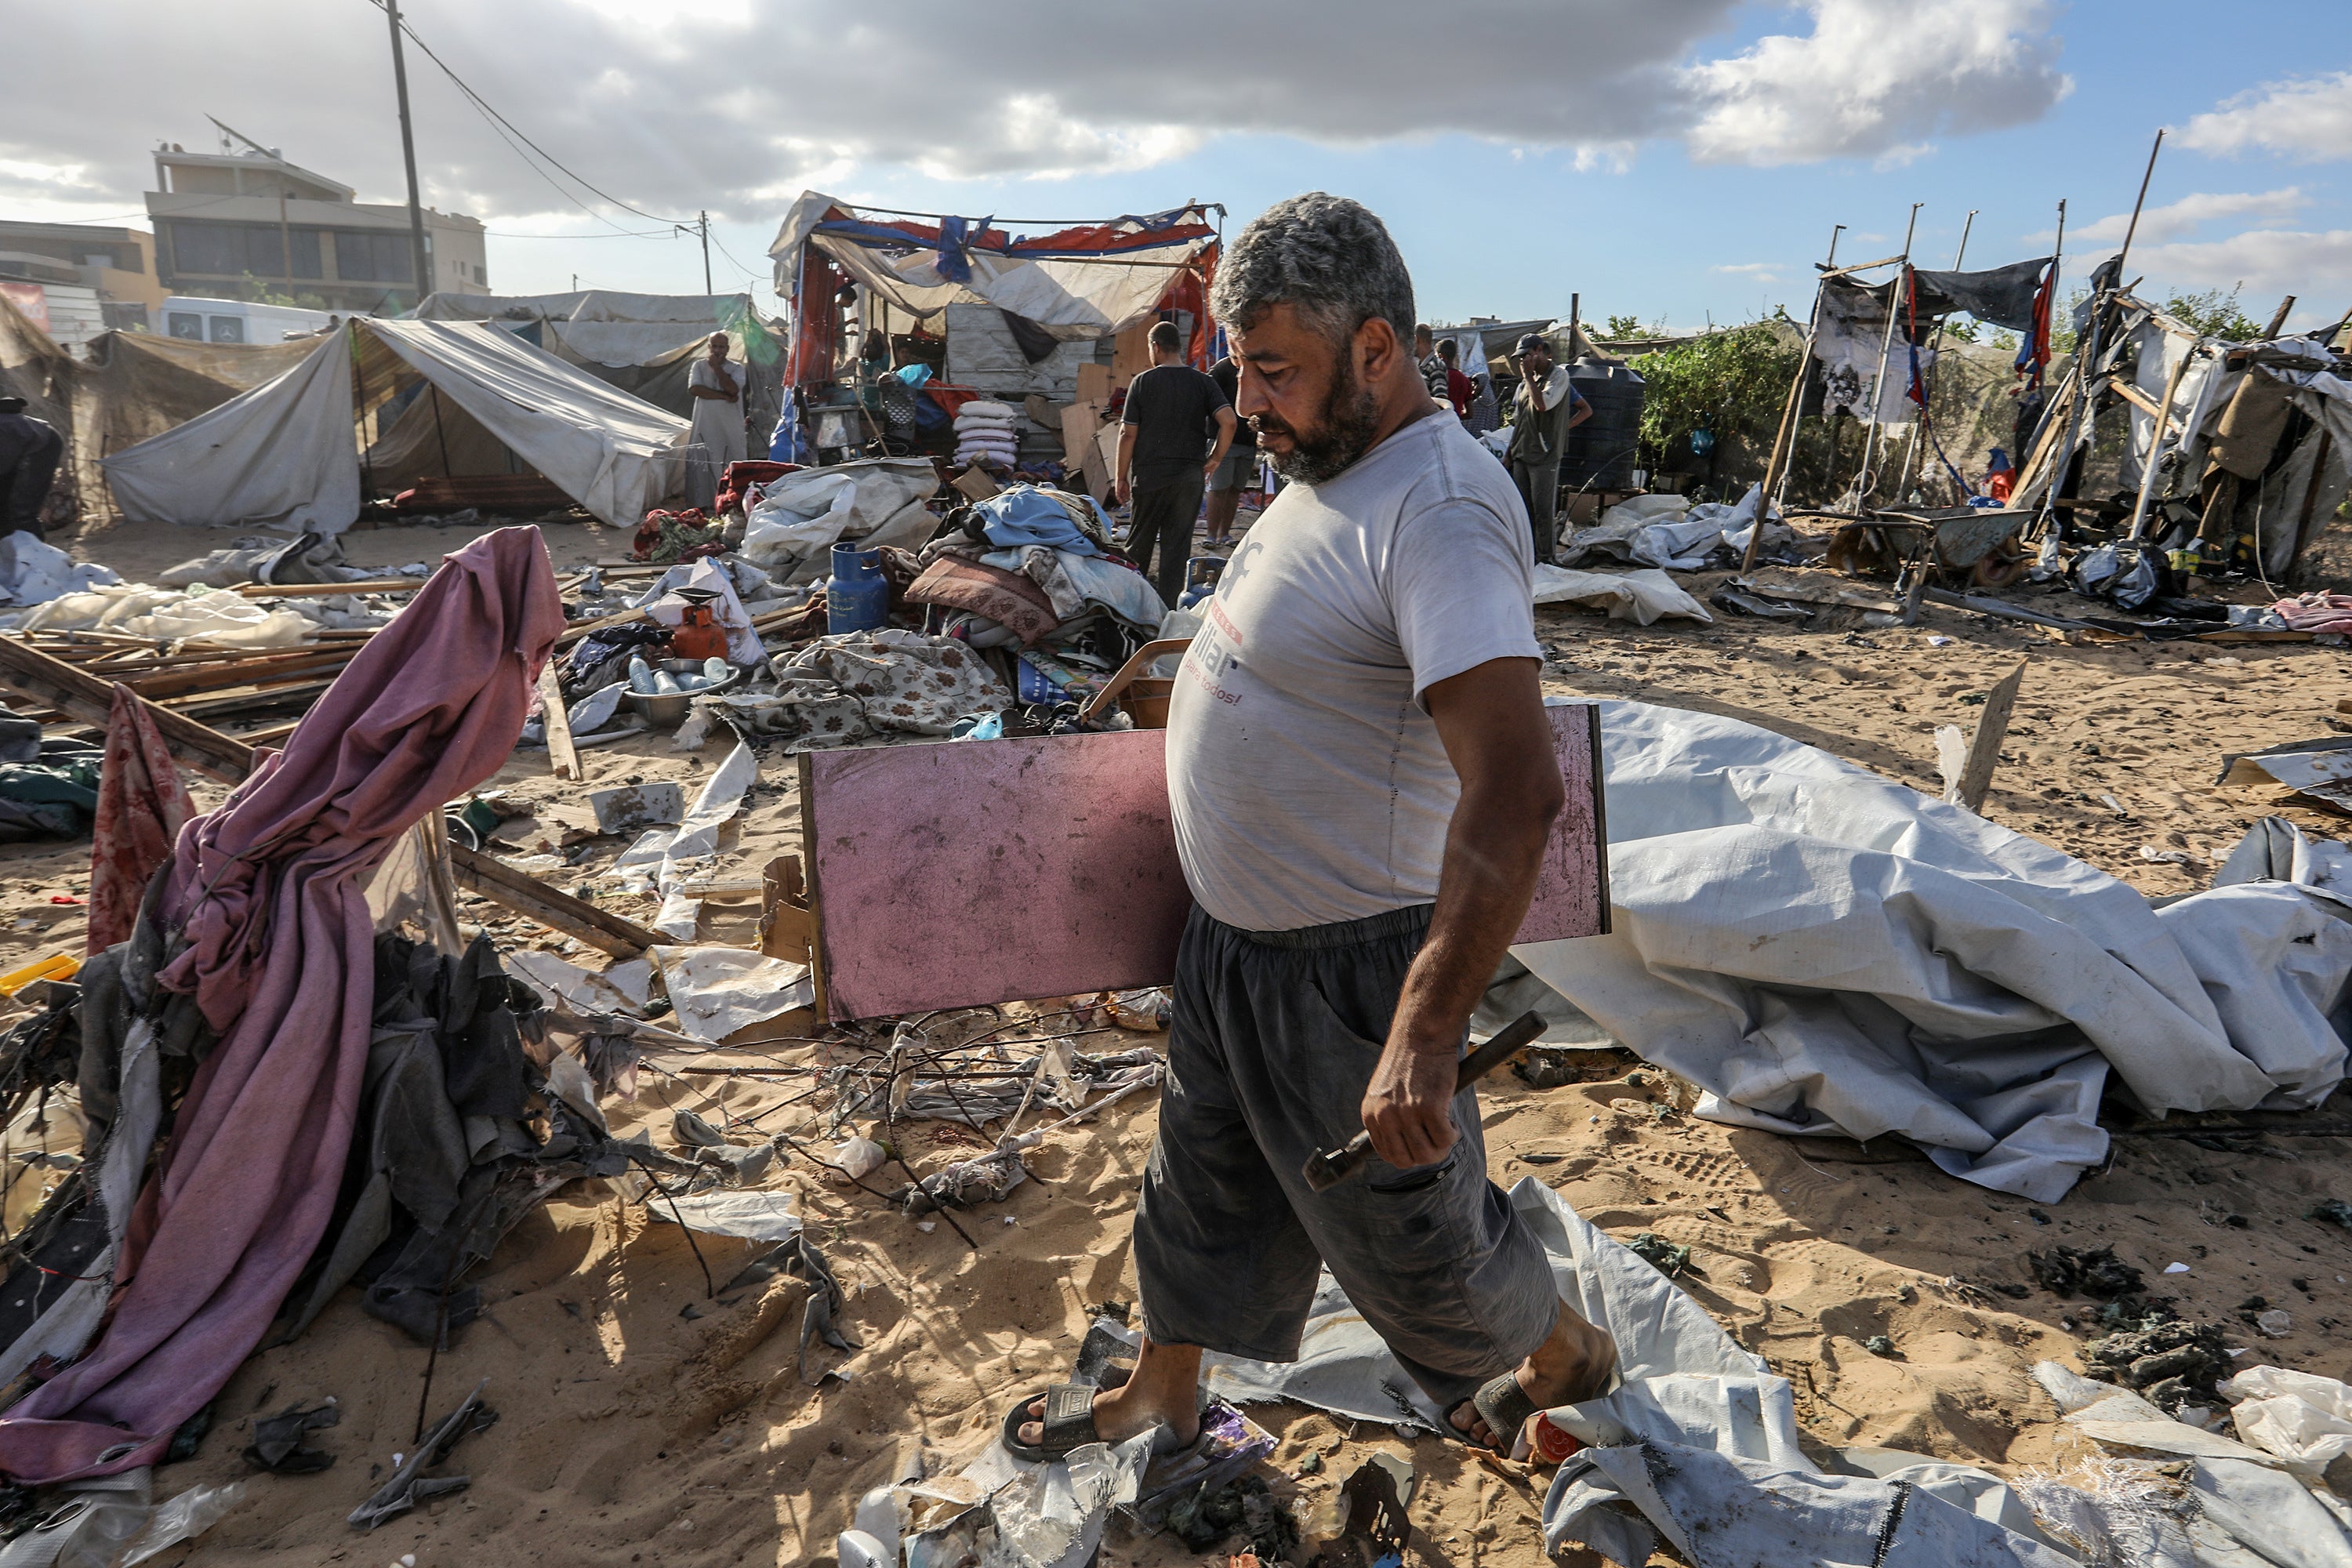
(1677,160)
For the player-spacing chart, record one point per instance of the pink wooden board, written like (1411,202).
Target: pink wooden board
(960,874)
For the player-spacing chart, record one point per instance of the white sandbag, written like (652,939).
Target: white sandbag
(987,407)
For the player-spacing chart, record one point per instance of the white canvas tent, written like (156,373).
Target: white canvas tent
(286,454)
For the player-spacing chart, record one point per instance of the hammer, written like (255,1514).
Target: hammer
(1327,1168)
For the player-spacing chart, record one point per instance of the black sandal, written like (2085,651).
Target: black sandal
(1504,1406)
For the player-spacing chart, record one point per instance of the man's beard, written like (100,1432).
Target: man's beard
(1350,418)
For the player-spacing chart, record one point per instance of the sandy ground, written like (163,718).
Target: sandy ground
(643,1424)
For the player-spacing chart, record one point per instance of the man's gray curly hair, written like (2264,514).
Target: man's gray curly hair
(1327,256)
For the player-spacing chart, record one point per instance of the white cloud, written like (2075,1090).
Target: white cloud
(1754,271)
(2310,119)
(1876,78)
(736,104)
(2186,216)
(2269,263)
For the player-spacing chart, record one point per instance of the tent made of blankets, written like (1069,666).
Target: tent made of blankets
(287,453)
(1822,949)
(1077,283)
(645,344)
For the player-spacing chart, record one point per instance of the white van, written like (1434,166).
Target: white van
(237,321)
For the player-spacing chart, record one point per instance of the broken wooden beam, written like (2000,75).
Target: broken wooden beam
(329,590)
(558,911)
(563,757)
(1984,747)
(26,670)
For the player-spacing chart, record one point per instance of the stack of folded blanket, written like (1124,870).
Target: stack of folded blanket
(986,432)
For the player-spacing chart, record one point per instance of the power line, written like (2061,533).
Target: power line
(617,234)
(729,255)
(501,123)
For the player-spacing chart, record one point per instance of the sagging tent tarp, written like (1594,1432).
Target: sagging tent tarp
(137,385)
(1082,282)
(642,343)
(285,454)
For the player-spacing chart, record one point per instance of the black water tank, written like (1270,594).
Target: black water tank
(1601,452)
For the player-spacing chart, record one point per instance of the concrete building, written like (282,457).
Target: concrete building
(226,222)
(51,267)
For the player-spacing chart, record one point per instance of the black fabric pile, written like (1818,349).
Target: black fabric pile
(460,1137)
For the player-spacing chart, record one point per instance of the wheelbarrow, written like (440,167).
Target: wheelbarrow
(1145,697)
(1971,541)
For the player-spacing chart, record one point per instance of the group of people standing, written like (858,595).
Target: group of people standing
(1180,439)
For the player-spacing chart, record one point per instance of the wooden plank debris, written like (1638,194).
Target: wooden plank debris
(1984,747)
(329,590)
(563,757)
(28,671)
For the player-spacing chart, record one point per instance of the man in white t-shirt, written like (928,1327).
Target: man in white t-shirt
(717,387)
(1362,783)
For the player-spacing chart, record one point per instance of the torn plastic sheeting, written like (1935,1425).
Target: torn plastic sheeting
(720,990)
(595,710)
(567,983)
(33,571)
(2301,1416)
(749,1217)
(696,838)
(1641,597)
(2251,1495)
(1822,949)
(116,1527)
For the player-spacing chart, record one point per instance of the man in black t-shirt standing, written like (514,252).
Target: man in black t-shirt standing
(1166,455)
(1238,471)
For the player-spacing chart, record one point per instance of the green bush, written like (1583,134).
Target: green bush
(1732,382)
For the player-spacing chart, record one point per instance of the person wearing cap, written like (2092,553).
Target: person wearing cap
(1545,409)
(29,451)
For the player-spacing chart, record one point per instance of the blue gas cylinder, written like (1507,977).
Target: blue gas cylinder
(1201,572)
(856,596)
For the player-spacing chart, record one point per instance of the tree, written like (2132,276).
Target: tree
(1731,382)
(2210,314)
(1626,328)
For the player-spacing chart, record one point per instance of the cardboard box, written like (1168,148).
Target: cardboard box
(1094,383)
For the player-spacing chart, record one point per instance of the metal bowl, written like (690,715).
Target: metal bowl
(667,710)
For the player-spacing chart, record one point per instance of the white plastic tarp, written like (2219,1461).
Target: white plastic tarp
(1698,1435)
(612,453)
(283,454)
(1824,950)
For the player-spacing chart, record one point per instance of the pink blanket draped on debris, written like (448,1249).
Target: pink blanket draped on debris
(142,807)
(2317,612)
(269,891)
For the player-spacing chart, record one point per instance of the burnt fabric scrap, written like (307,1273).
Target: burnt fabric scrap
(281,1443)
(409,1484)
(267,894)
(142,803)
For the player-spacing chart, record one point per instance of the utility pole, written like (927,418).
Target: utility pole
(418,257)
(702,225)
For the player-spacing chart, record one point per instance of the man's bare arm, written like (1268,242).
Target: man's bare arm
(1120,487)
(1225,427)
(1491,721)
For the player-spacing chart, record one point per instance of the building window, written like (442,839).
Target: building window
(481,273)
(233,249)
(371,258)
